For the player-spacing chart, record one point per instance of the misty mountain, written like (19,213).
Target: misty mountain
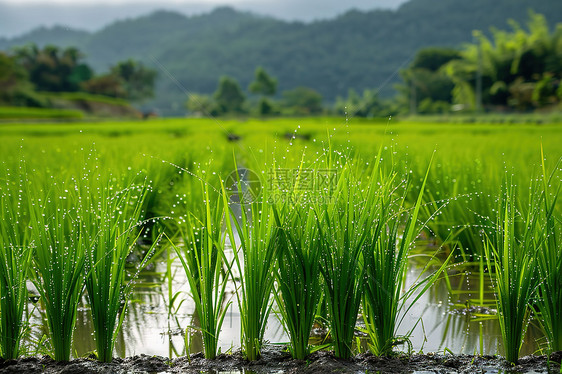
(18,18)
(59,35)
(358,49)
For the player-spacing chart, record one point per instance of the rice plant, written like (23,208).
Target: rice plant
(385,259)
(299,286)
(394,229)
(59,241)
(204,261)
(342,231)
(511,260)
(110,223)
(15,257)
(252,231)
(549,259)
(461,194)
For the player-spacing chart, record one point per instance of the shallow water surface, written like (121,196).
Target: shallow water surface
(439,321)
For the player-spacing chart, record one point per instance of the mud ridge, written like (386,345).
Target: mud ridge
(275,360)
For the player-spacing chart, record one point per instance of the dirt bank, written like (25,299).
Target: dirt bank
(274,360)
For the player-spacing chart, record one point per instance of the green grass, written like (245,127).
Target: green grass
(460,194)
(18,113)
(487,118)
(83,96)
(385,256)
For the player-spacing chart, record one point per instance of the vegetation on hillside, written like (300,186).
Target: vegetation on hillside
(518,70)
(43,78)
(513,70)
(229,99)
(357,50)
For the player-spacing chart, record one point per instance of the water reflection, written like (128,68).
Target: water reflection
(445,325)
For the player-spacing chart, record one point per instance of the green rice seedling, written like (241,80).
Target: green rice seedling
(181,204)
(178,197)
(342,231)
(385,259)
(549,258)
(110,224)
(252,231)
(511,260)
(58,238)
(394,229)
(460,205)
(299,286)
(204,261)
(15,257)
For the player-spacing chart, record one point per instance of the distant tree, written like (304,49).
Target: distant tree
(545,90)
(107,85)
(433,58)
(137,80)
(368,105)
(521,94)
(81,73)
(263,84)
(303,101)
(12,75)
(266,107)
(229,96)
(53,69)
(519,68)
(426,81)
(73,71)
(15,88)
(201,105)
(428,106)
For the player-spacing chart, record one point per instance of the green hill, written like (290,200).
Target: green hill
(355,50)
(61,36)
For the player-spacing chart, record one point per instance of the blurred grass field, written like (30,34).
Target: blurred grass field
(19,113)
(123,144)
(468,157)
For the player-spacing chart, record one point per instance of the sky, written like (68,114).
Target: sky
(20,16)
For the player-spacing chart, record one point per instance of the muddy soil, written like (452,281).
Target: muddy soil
(274,360)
